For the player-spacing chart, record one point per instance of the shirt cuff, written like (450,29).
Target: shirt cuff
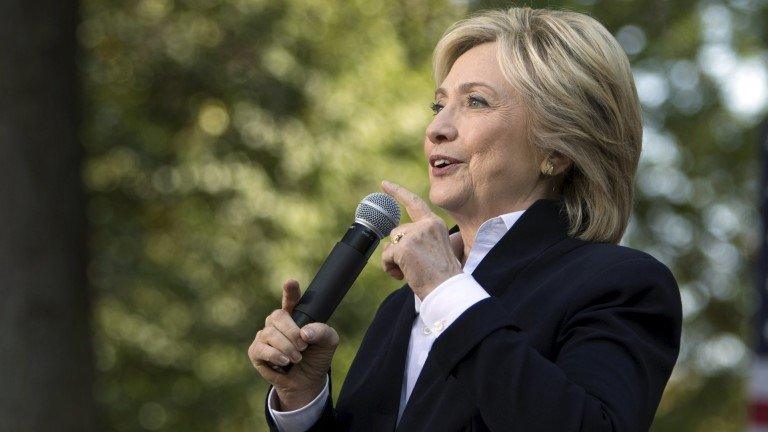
(441,307)
(301,419)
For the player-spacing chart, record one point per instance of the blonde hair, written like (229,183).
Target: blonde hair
(577,88)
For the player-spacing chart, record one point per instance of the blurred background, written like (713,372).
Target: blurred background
(167,164)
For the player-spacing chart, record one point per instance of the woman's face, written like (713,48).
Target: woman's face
(479,125)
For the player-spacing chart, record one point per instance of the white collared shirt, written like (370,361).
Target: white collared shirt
(439,309)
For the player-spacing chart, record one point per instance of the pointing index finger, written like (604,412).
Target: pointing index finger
(416,207)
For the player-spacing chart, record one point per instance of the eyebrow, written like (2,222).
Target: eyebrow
(465,87)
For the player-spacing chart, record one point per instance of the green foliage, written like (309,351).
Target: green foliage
(228,142)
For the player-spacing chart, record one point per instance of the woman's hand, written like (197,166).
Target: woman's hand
(281,341)
(424,255)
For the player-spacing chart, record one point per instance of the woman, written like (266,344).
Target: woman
(527,315)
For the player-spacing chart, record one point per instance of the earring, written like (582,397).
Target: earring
(550,168)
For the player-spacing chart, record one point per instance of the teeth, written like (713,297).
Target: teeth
(441,162)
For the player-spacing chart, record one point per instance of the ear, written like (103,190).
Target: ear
(560,161)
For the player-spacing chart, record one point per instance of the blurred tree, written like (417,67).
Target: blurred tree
(222,133)
(46,362)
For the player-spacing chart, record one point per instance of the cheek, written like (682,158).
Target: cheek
(504,157)
(492,156)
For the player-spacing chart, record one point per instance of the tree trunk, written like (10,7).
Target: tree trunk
(46,361)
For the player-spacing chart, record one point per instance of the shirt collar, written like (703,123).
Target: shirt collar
(489,233)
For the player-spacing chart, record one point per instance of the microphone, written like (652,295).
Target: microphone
(375,217)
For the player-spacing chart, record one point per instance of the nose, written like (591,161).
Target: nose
(442,128)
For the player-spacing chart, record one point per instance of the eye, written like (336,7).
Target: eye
(476,102)
(436,107)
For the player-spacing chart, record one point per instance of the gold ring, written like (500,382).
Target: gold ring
(397,238)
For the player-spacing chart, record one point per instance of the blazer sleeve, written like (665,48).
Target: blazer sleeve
(617,346)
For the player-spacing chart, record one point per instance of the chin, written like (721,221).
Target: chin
(445,199)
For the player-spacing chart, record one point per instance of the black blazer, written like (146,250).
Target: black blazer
(576,336)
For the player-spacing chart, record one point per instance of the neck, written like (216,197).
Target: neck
(469,219)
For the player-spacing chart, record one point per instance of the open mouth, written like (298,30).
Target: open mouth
(440,161)
(443,165)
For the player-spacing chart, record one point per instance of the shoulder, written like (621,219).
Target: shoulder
(608,275)
(608,251)
(590,261)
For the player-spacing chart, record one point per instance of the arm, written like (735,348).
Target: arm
(617,346)
(281,341)
(300,419)
(321,416)
(449,300)
(310,418)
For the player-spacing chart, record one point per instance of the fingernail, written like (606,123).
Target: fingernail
(386,183)
(309,333)
(284,360)
(302,345)
(297,358)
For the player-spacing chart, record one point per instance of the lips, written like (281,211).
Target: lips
(443,165)
(441,161)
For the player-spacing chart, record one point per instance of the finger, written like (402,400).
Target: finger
(416,207)
(320,334)
(273,337)
(271,372)
(268,372)
(261,352)
(274,375)
(291,295)
(282,320)
(457,244)
(395,272)
(388,263)
(266,369)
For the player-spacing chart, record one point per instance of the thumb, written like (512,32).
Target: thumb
(291,295)
(320,334)
(457,244)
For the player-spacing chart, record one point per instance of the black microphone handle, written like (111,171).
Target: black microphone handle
(333,280)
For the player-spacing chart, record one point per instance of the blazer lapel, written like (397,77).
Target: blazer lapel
(387,374)
(543,224)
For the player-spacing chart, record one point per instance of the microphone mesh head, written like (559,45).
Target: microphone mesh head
(380,212)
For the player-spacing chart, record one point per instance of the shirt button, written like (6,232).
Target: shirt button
(427,330)
(438,326)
